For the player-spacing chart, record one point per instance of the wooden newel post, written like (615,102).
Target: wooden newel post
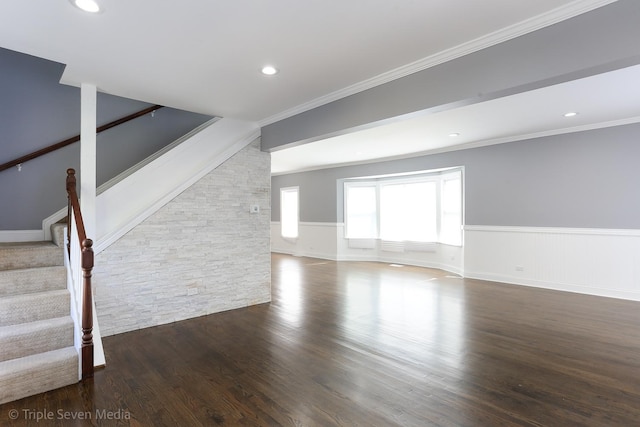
(86,259)
(87,309)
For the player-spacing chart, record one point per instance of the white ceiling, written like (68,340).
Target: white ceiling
(205,56)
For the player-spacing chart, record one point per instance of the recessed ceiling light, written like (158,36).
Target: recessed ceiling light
(90,6)
(454,134)
(269,70)
(571,114)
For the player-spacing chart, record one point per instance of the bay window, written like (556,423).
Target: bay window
(424,207)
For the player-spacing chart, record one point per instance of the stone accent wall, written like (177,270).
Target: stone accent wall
(202,253)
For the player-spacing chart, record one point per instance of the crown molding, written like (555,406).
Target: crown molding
(554,16)
(470,145)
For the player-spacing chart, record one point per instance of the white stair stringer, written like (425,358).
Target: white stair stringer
(130,201)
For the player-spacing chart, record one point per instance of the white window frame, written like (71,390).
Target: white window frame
(284,226)
(356,184)
(438,176)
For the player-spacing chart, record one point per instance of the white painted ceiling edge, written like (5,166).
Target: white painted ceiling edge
(206,58)
(532,24)
(603,100)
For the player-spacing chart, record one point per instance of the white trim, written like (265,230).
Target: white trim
(592,261)
(308,254)
(21,235)
(314,224)
(113,181)
(50,220)
(514,138)
(113,235)
(554,230)
(326,241)
(45,233)
(556,286)
(554,16)
(470,145)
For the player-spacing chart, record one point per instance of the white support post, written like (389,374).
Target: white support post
(88,190)
(87,193)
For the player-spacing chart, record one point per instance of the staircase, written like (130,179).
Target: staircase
(37,350)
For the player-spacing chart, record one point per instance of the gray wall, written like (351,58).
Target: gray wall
(601,40)
(37,111)
(585,179)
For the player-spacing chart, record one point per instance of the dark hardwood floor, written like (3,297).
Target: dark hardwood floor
(368,344)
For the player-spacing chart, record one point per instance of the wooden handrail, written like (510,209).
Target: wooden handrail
(73,208)
(76,138)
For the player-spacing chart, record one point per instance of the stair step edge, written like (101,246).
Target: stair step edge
(26,308)
(30,327)
(32,279)
(19,255)
(38,373)
(15,366)
(52,293)
(25,339)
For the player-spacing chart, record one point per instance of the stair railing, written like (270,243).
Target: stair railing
(74,139)
(74,216)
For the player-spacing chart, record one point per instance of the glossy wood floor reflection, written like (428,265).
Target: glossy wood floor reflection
(367,344)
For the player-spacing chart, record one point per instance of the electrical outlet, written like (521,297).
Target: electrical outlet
(519,268)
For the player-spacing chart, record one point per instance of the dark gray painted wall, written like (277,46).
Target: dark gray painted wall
(121,147)
(37,111)
(582,180)
(598,41)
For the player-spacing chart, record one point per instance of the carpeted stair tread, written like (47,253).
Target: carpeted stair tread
(30,254)
(38,373)
(30,280)
(31,338)
(57,234)
(16,309)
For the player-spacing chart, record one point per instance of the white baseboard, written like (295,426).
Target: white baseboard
(602,262)
(22,236)
(48,222)
(33,235)
(564,287)
(319,255)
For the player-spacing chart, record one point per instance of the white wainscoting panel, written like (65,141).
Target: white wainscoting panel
(327,241)
(600,262)
(603,262)
(315,239)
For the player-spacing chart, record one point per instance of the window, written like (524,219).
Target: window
(362,217)
(425,207)
(408,212)
(289,212)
